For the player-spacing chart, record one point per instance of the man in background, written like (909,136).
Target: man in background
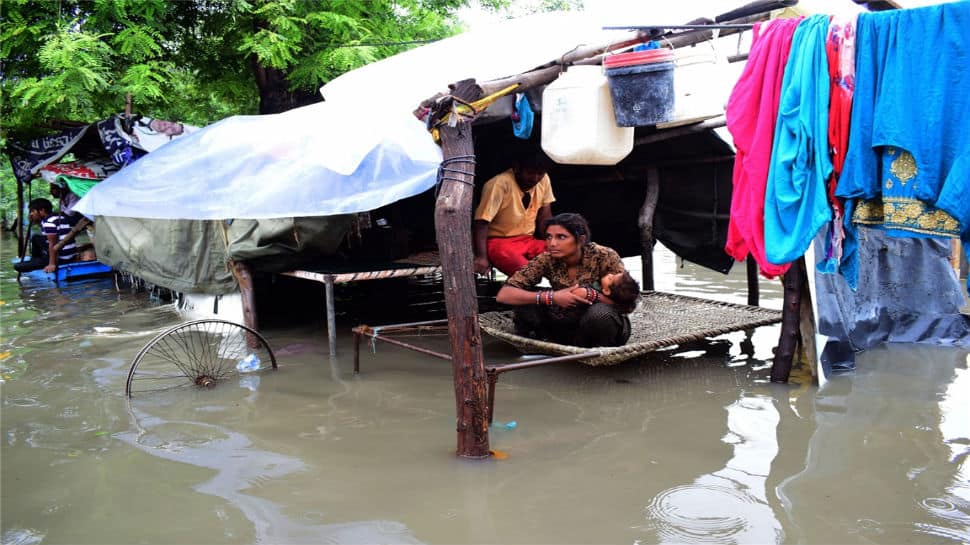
(513,205)
(53,229)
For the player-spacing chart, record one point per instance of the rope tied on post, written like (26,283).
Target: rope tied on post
(449,108)
(444,170)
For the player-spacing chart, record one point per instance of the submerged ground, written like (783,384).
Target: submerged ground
(691,445)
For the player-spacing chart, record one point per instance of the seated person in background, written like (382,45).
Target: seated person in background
(53,229)
(85,252)
(66,199)
(567,313)
(513,203)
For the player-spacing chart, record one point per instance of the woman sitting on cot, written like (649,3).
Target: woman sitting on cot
(591,291)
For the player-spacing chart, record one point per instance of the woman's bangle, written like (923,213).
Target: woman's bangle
(538,297)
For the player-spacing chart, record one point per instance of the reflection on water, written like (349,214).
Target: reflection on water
(685,445)
(729,505)
(240,470)
(891,440)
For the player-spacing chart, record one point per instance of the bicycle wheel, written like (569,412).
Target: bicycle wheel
(200,353)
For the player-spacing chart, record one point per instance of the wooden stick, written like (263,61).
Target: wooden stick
(78,227)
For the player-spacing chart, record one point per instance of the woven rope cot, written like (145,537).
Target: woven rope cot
(660,319)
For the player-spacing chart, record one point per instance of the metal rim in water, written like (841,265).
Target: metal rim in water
(200,353)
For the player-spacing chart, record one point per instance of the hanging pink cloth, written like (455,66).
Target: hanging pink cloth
(751,113)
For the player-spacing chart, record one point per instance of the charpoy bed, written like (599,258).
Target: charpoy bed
(660,319)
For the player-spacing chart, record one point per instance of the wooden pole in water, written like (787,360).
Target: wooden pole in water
(22,235)
(790,322)
(244,277)
(645,224)
(754,293)
(453,227)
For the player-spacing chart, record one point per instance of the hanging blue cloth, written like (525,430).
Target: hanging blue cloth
(796,206)
(647,46)
(909,142)
(522,127)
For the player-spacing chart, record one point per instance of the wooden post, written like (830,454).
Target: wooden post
(22,235)
(645,223)
(244,277)
(754,291)
(806,322)
(453,227)
(790,320)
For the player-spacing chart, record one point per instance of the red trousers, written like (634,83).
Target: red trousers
(509,254)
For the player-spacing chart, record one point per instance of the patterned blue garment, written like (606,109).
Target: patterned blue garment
(908,160)
(796,206)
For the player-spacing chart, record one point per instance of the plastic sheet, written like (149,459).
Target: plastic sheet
(318,160)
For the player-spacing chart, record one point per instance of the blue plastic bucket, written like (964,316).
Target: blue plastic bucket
(642,94)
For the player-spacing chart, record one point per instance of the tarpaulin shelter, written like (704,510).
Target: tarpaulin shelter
(182,255)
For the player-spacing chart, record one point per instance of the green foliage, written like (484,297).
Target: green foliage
(195,61)
(192,59)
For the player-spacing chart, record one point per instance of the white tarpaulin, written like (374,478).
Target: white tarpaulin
(318,160)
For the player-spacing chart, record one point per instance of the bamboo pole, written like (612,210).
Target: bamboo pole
(453,229)
(594,54)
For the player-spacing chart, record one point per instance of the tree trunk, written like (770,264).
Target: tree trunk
(274,92)
(275,95)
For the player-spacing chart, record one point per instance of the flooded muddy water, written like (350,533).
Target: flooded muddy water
(686,445)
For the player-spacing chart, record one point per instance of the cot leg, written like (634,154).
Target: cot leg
(356,352)
(492,377)
(331,317)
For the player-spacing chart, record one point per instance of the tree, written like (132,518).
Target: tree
(194,60)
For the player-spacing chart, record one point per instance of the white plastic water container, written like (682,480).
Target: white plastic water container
(578,126)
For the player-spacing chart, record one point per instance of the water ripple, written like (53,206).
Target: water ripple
(24,401)
(698,513)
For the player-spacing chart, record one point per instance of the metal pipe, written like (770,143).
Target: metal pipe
(396,327)
(331,317)
(492,377)
(403,344)
(497,369)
